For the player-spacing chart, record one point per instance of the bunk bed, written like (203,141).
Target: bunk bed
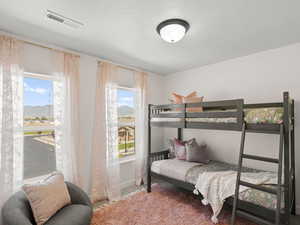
(268,118)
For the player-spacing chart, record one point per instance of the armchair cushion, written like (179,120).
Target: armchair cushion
(72,215)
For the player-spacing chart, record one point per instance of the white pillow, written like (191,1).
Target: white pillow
(47,197)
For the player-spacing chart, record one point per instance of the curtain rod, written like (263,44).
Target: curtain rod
(55,49)
(46,47)
(101,60)
(69,51)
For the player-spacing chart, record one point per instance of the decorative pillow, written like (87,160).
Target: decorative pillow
(193,100)
(190,98)
(177,99)
(180,151)
(191,95)
(172,148)
(47,197)
(196,152)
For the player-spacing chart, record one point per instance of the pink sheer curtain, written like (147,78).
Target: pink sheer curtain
(66,116)
(105,168)
(140,126)
(11,117)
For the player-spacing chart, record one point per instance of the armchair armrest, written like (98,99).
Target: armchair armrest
(78,196)
(17,211)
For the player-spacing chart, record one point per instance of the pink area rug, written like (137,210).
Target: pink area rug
(163,206)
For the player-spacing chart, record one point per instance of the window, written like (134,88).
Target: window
(39,134)
(126,121)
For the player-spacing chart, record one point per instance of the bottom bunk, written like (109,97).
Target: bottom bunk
(180,170)
(185,174)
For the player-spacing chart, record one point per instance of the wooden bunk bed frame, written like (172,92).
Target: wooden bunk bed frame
(255,212)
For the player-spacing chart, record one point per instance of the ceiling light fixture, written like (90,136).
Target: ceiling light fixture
(172,30)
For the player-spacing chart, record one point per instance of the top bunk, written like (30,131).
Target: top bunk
(225,115)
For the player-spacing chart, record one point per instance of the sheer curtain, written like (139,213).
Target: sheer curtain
(11,117)
(66,115)
(140,126)
(105,161)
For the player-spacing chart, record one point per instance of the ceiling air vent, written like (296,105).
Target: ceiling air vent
(62,19)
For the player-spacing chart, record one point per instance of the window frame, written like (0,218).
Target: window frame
(41,77)
(36,128)
(132,157)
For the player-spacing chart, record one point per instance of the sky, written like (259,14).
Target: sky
(37,92)
(125,97)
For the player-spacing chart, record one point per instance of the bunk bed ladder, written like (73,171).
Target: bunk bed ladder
(239,182)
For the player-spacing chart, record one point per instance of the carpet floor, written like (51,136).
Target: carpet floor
(163,206)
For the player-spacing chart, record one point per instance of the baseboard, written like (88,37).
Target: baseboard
(127,184)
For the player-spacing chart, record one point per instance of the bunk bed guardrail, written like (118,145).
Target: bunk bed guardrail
(213,109)
(179,116)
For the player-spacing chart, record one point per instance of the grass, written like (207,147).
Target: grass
(38,132)
(122,152)
(128,145)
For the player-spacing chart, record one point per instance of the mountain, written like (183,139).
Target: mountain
(38,111)
(125,110)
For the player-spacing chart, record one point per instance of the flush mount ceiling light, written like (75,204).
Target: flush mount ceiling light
(172,30)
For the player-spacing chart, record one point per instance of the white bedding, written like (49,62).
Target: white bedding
(215,187)
(173,168)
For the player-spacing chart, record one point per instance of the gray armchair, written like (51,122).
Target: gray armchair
(17,210)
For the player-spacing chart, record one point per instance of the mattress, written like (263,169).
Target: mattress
(251,195)
(272,115)
(174,168)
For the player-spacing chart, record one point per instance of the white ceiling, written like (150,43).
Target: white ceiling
(123,31)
